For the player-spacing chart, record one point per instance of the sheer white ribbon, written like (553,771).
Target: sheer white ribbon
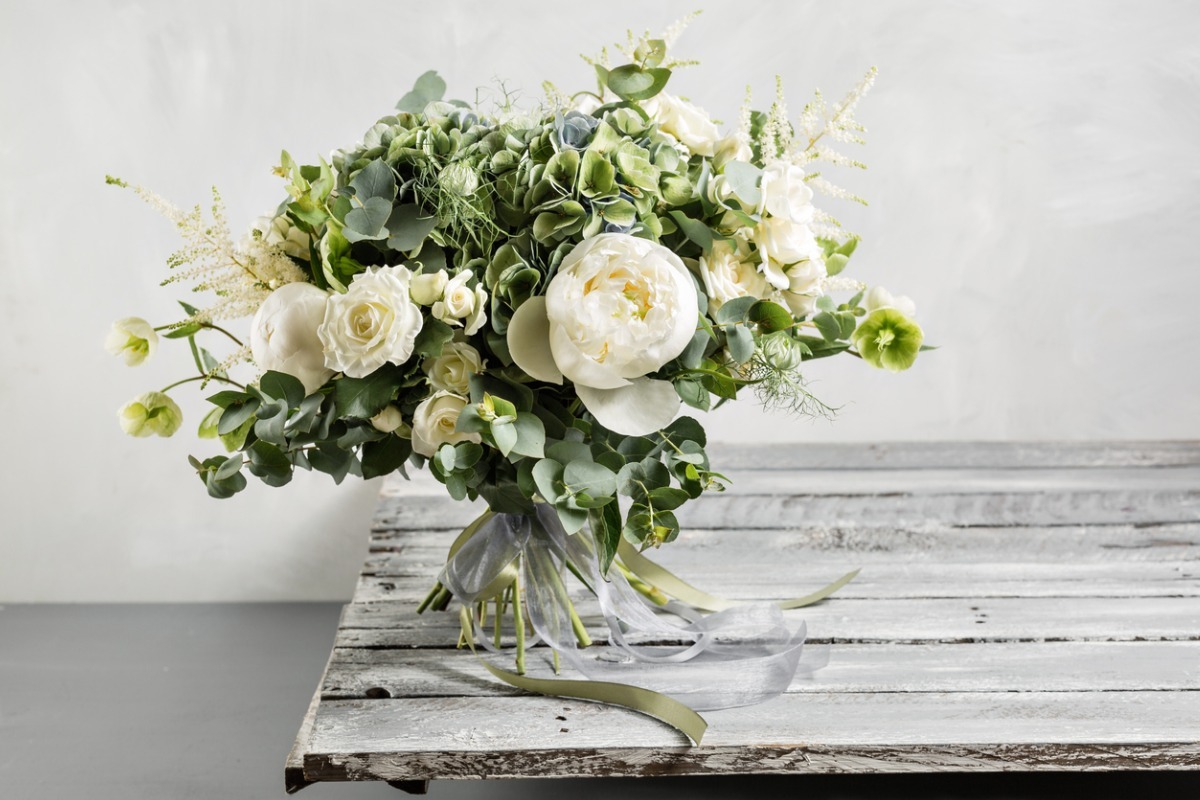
(739,656)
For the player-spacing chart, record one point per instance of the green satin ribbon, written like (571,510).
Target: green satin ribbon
(635,698)
(667,581)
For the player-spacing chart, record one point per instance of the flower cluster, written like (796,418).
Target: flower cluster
(523,304)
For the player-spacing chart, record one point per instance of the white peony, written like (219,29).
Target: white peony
(618,308)
(780,244)
(686,122)
(880,297)
(434,421)
(452,370)
(785,194)
(729,273)
(283,336)
(133,338)
(462,305)
(374,323)
(427,287)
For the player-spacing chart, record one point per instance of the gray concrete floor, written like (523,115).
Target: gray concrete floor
(202,701)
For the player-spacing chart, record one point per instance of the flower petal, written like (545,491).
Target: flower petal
(529,341)
(581,369)
(644,406)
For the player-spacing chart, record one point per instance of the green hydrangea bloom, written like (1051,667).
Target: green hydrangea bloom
(888,339)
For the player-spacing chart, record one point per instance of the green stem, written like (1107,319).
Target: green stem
(171,386)
(581,634)
(429,598)
(519,624)
(496,635)
(651,593)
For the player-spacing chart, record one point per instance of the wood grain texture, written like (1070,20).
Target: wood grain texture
(1029,607)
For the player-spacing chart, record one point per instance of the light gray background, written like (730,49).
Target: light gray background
(1034,176)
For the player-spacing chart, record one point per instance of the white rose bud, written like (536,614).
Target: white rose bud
(390,421)
(374,323)
(805,280)
(283,336)
(731,148)
(686,122)
(280,232)
(434,421)
(880,297)
(729,273)
(785,194)
(152,413)
(427,287)
(462,305)
(452,370)
(133,338)
(781,243)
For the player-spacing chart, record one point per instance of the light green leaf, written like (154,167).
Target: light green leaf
(406,227)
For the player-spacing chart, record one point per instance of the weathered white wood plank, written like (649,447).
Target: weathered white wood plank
(389,624)
(907,481)
(743,511)
(538,736)
(987,667)
(882,580)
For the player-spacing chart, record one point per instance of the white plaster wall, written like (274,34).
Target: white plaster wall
(1034,184)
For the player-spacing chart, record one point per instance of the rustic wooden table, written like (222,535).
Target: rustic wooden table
(1020,607)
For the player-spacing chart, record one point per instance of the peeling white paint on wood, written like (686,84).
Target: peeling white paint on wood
(1020,607)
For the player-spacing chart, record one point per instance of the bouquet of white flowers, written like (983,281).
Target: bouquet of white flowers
(522,303)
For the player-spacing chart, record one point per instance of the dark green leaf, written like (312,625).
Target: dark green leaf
(694,230)
(407,229)
(281,386)
(606,528)
(735,310)
(363,398)
(631,82)
(770,316)
(237,413)
(740,342)
(269,464)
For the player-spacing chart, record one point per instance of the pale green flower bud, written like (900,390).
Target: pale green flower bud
(390,421)
(133,338)
(459,178)
(781,352)
(152,413)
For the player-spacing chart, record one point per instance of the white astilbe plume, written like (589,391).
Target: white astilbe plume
(775,138)
(240,276)
(676,28)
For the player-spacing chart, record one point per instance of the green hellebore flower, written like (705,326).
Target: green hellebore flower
(132,338)
(888,339)
(152,413)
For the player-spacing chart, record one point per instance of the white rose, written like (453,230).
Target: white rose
(462,305)
(729,273)
(785,194)
(389,420)
(805,280)
(452,370)
(374,323)
(283,336)
(619,307)
(781,243)
(427,287)
(880,297)
(731,147)
(434,421)
(686,122)
(280,232)
(133,338)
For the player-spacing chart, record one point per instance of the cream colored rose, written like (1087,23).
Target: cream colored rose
(452,370)
(152,413)
(462,305)
(780,244)
(283,336)
(728,273)
(618,308)
(785,194)
(427,287)
(686,122)
(434,421)
(374,323)
(133,338)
